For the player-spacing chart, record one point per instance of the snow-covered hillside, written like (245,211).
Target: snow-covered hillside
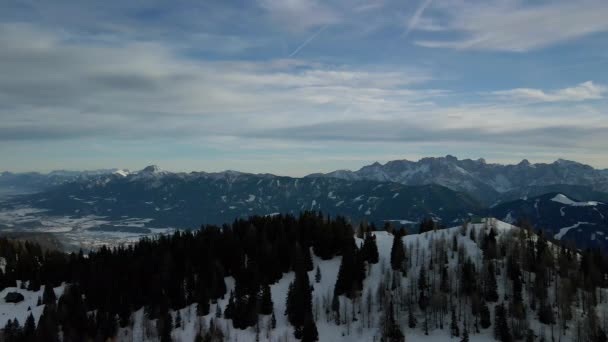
(439,257)
(419,248)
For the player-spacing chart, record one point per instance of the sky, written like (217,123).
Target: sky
(293,87)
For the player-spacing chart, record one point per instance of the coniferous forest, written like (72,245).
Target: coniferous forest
(485,279)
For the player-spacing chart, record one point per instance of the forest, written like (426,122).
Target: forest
(464,281)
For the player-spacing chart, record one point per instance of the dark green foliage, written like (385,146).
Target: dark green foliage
(484,316)
(351,272)
(454,329)
(490,293)
(299,300)
(370,248)
(48,296)
(501,327)
(397,252)
(392,332)
(309,332)
(266,305)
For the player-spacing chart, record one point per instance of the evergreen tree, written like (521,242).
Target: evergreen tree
(411,320)
(370,248)
(299,301)
(318,275)
(309,332)
(484,316)
(351,272)
(392,333)
(48,296)
(501,327)
(266,304)
(29,328)
(465,334)
(398,253)
(454,329)
(490,292)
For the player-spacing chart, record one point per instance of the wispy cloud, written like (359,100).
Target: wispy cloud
(415,18)
(307,41)
(581,92)
(517,26)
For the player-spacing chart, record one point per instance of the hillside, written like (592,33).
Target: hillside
(450,281)
(150,201)
(585,223)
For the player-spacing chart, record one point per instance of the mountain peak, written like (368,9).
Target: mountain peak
(151,169)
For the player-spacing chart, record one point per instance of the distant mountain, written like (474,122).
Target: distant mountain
(34,181)
(187,200)
(490,183)
(562,217)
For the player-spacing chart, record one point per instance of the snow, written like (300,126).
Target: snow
(563,199)
(20,310)
(418,245)
(562,212)
(251,198)
(339,203)
(395,195)
(123,173)
(565,230)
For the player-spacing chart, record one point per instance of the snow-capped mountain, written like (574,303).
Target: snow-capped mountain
(187,200)
(561,217)
(487,182)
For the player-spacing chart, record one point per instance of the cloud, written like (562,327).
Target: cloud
(581,92)
(300,15)
(398,131)
(413,22)
(516,26)
(138,90)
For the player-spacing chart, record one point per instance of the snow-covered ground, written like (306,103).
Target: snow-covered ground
(21,310)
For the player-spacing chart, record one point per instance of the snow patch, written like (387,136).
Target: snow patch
(559,198)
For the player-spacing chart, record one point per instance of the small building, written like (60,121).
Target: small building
(13,297)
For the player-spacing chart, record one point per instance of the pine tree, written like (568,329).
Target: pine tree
(411,320)
(397,252)
(484,316)
(218,311)
(454,329)
(465,334)
(501,327)
(309,332)
(48,296)
(266,304)
(490,292)
(370,248)
(29,328)
(392,332)
(299,301)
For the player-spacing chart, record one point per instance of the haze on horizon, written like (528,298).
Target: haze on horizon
(300,86)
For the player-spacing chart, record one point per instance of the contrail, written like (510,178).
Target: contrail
(307,41)
(414,20)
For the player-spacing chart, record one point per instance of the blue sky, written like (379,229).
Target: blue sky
(296,86)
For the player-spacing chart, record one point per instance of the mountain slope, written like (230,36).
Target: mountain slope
(160,199)
(563,218)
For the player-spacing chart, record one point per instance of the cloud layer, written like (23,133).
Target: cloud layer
(298,81)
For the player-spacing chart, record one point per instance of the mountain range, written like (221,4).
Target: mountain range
(446,189)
